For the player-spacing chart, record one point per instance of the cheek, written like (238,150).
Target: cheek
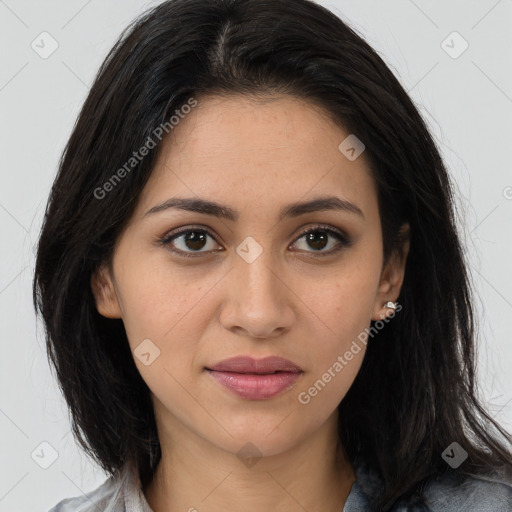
(158,299)
(343,300)
(164,313)
(336,355)
(340,307)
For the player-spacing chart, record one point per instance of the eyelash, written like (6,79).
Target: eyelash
(343,239)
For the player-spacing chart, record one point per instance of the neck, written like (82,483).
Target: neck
(193,475)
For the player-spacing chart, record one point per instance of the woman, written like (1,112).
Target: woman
(253,287)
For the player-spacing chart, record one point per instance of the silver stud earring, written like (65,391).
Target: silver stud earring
(391,305)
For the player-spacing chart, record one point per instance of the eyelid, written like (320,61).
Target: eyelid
(185,229)
(344,240)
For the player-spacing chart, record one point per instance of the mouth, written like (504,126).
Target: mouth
(247,364)
(256,379)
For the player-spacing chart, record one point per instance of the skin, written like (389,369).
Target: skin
(255,157)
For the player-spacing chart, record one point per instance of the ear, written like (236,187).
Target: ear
(392,275)
(104,292)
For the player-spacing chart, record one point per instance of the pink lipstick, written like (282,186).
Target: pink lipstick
(256,379)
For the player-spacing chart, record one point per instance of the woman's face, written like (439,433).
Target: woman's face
(255,285)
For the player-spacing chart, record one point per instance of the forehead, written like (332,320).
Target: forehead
(239,150)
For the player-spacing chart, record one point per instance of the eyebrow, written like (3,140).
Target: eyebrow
(292,210)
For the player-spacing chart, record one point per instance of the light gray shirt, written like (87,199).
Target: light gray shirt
(447,494)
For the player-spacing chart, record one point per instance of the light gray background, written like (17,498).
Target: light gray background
(467,102)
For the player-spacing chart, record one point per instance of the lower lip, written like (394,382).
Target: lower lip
(256,387)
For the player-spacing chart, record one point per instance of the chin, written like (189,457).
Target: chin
(257,441)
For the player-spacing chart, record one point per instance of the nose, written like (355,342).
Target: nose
(258,301)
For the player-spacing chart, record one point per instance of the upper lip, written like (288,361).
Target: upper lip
(247,364)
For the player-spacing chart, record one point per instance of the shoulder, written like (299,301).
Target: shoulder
(450,491)
(455,491)
(96,500)
(106,497)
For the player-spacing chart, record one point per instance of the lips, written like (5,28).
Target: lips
(246,364)
(256,379)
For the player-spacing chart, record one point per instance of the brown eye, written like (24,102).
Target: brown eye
(317,238)
(188,241)
(192,242)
